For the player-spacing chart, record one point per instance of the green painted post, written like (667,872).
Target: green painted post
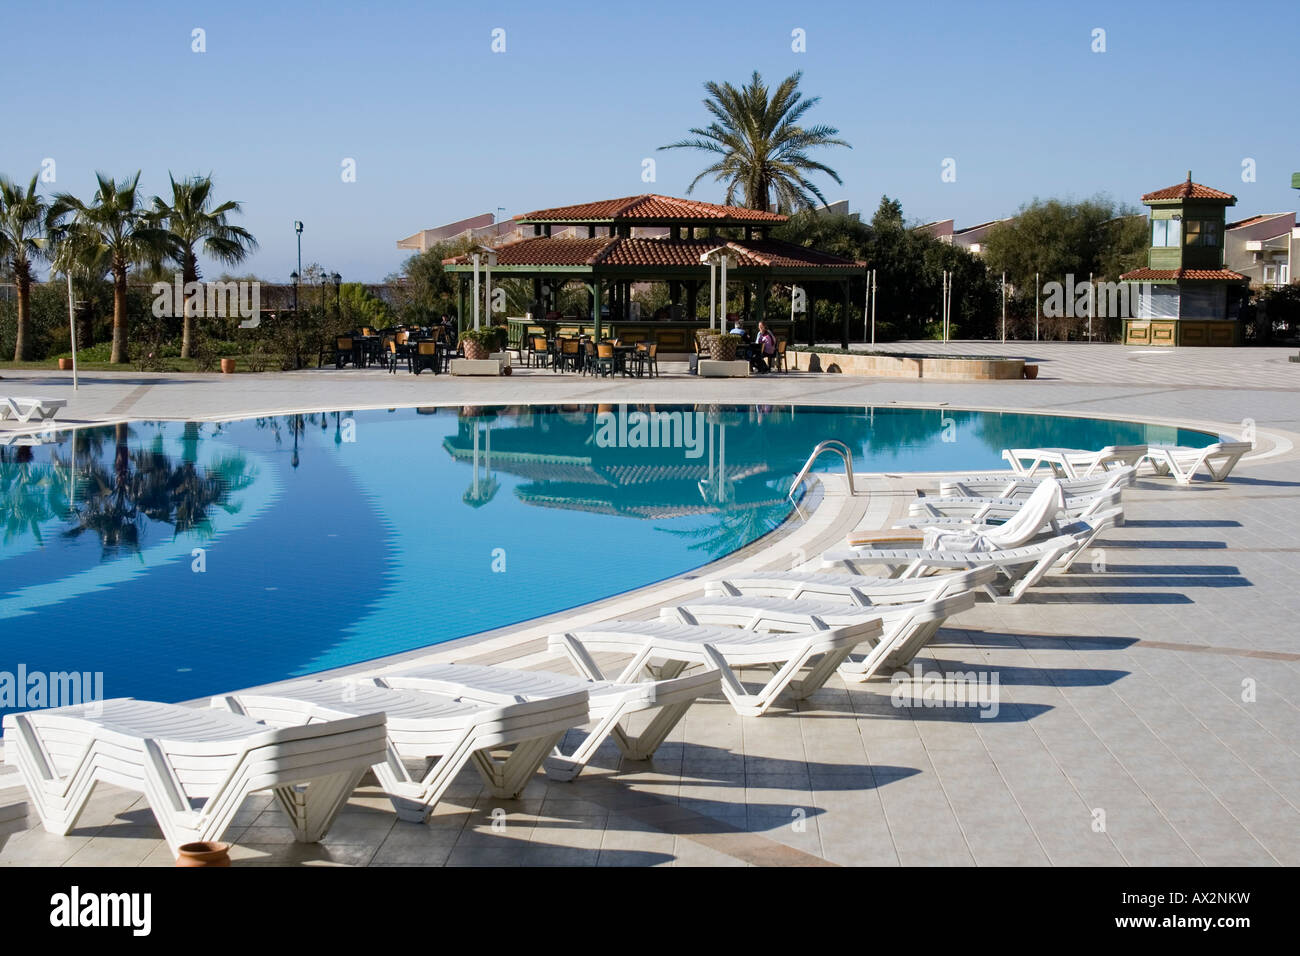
(460,303)
(594,289)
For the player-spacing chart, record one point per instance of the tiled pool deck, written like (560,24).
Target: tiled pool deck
(1150,707)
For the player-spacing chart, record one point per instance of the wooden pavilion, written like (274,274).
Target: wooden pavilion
(610,245)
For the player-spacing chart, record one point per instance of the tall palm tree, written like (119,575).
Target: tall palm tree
(127,233)
(24,220)
(761,147)
(193,223)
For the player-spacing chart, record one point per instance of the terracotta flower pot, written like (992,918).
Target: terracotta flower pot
(475,350)
(1031,371)
(204,854)
(228,366)
(65,365)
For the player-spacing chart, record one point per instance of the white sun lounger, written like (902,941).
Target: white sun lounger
(945,512)
(814,654)
(1183,463)
(1073,462)
(610,703)
(1010,485)
(855,589)
(13,817)
(1040,510)
(23,408)
(1023,567)
(440,732)
(907,627)
(195,767)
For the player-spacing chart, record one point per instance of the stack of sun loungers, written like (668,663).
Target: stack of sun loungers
(310,741)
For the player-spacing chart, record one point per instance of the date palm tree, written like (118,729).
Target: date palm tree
(24,221)
(761,148)
(193,222)
(128,234)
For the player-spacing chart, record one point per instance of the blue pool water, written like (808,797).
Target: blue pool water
(181,560)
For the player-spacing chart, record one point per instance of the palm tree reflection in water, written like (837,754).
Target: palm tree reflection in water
(148,486)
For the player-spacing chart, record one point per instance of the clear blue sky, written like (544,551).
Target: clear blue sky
(442,128)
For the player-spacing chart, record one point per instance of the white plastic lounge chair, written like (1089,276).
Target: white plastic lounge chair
(815,654)
(1040,510)
(194,766)
(907,627)
(23,408)
(1022,567)
(1010,485)
(1073,462)
(610,703)
(945,512)
(856,589)
(438,731)
(13,817)
(1183,463)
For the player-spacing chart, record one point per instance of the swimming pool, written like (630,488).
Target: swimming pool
(183,559)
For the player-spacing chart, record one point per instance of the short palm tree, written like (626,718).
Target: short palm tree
(193,223)
(126,231)
(761,147)
(24,220)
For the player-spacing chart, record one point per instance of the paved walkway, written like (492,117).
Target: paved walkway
(1149,707)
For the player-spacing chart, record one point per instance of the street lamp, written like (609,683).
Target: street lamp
(338,310)
(297,278)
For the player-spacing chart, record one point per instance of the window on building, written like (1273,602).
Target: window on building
(1165,232)
(1157,301)
(1201,232)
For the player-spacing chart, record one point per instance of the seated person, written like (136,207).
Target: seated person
(760,357)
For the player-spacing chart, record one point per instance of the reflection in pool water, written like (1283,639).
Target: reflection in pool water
(185,559)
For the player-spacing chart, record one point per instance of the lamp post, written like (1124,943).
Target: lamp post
(297,278)
(338,310)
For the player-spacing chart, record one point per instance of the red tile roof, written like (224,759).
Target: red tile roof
(1154,274)
(541,251)
(1188,190)
(620,251)
(649,207)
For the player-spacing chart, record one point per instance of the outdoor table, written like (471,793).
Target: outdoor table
(621,352)
(364,348)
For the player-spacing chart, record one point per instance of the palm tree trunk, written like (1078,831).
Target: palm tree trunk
(21,346)
(190,274)
(120,353)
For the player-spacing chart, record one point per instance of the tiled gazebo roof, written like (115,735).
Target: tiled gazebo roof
(1156,275)
(1188,190)
(661,252)
(651,208)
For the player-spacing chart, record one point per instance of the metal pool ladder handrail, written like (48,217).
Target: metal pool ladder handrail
(830,444)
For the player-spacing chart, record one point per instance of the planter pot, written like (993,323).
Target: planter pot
(1031,371)
(721,349)
(204,854)
(475,350)
(228,366)
(65,365)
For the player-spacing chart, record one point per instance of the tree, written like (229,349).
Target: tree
(424,290)
(24,222)
(909,268)
(128,234)
(761,147)
(193,222)
(1055,238)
